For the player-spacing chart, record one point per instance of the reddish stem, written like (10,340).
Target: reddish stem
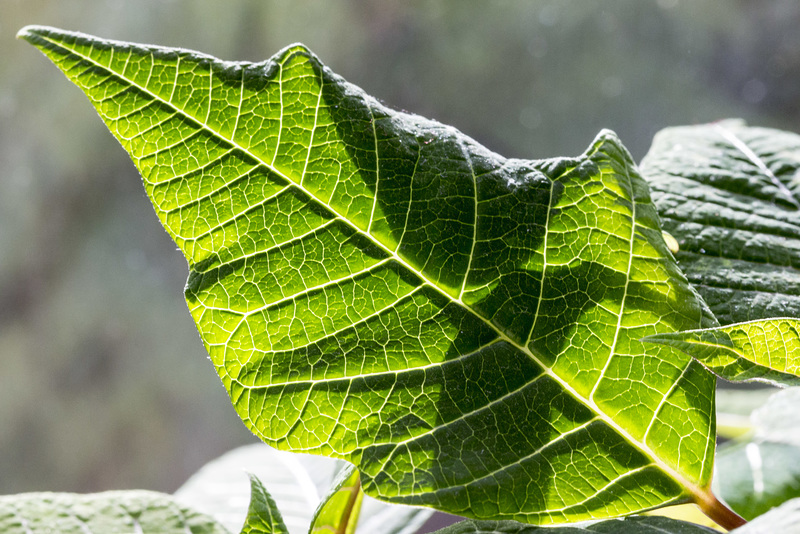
(719,513)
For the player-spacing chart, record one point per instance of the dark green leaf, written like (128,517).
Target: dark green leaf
(377,287)
(263,516)
(144,512)
(729,194)
(631,525)
(765,351)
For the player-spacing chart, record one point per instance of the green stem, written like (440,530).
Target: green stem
(718,512)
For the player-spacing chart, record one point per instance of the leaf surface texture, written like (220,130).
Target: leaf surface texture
(144,512)
(728,193)
(378,287)
(263,516)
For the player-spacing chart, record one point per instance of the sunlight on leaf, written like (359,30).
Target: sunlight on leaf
(765,351)
(338,512)
(377,287)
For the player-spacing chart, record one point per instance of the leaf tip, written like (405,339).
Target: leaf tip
(29,31)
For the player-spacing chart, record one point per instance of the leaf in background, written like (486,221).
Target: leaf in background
(378,287)
(764,471)
(296,482)
(765,351)
(339,510)
(630,525)
(263,516)
(729,194)
(144,512)
(784,519)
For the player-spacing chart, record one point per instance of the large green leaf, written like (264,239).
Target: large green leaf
(144,512)
(729,194)
(762,472)
(765,351)
(378,287)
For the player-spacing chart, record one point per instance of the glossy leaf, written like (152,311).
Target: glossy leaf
(765,351)
(339,510)
(263,516)
(631,525)
(378,287)
(728,193)
(295,481)
(144,512)
(762,472)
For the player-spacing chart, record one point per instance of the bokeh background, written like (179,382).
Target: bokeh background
(104,383)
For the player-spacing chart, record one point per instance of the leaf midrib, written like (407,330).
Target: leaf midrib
(698,493)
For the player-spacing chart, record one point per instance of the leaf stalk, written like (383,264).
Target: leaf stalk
(719,512)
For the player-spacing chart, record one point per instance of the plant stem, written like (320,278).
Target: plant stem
(718,512)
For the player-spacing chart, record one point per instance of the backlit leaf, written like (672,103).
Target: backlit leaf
(339,510)
(766,350)
(377,287)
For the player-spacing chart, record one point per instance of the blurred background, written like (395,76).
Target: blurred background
(104,383)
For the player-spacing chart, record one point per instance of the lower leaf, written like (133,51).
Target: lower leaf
(143,512)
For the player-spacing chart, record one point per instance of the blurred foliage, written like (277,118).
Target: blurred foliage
(104,383)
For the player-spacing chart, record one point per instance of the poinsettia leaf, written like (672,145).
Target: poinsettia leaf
(729,194)
(766,351)
(378,287)
(144,512)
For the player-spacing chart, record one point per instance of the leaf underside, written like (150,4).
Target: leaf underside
(378,287)
(730,195)
(765,351)
(144,512)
